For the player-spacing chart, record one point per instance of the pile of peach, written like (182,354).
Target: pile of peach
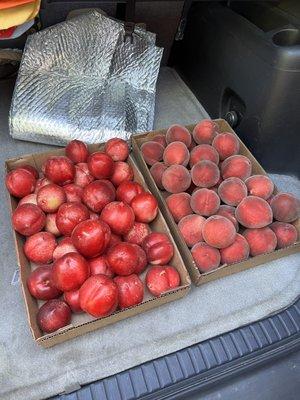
(224,213)
(86,224)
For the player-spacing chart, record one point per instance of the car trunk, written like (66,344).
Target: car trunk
(235,61)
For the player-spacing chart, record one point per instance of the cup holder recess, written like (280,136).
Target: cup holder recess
(287,37)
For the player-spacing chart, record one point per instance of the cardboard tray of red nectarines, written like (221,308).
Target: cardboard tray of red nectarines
(83,323)
(198,277)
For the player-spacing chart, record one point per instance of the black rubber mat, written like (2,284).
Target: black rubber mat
(178,374)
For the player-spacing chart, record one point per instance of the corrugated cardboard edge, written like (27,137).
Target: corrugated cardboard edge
(224,270)
(72,331)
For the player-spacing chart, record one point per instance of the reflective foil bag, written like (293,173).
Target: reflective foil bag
(80,79)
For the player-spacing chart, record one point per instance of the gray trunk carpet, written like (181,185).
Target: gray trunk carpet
(28,371)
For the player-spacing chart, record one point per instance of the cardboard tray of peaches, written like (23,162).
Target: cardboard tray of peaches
(93,247)
(224,212)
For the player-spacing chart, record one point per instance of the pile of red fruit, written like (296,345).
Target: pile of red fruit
(86,224)
(224,213)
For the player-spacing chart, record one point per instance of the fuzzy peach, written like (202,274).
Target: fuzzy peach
(286,207)
(260,186)
(178,133)
(206,257)
(205,174)
(238,251)
(176,153)
(228,212)
(236,166)
(161,139)
(190,228)
(286,234)
(203,152)
(214,188)
(261,240)
(152,152)
(205,131)
(226,144)
(176,179)
(157,171)
(205,202)
(179,205)
(232,191)
(218,232)
(192,145)
(192,188)
(254,212)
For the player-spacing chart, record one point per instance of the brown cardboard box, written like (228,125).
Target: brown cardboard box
(197,277)
(83,323)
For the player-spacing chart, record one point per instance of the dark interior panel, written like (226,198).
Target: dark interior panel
(229,61)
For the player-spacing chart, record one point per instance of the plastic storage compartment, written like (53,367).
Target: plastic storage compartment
(246,60)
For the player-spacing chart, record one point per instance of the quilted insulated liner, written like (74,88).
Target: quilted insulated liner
(81,79)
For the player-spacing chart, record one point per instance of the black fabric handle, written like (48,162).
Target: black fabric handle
(180,31)
(129,19)
(130,11)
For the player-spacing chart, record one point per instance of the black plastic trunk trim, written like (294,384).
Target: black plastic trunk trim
(197,367)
